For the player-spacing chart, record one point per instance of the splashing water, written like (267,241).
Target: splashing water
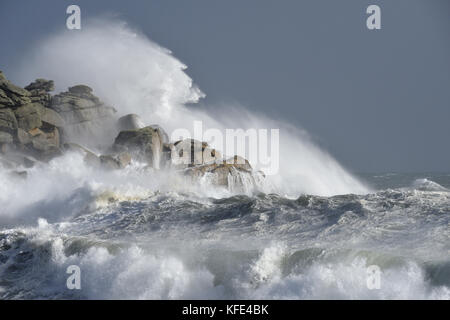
(135,75)
(143,234)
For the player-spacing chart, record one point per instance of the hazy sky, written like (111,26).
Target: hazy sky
(376,100)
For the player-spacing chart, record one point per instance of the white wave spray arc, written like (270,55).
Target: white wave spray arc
(135,75)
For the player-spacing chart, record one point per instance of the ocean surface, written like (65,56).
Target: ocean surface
(184,245)
(313,231)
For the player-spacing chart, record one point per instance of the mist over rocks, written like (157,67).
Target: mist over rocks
(36,127)
(39,90)
(88,120)
(130,122)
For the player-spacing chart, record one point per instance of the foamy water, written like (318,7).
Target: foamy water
(309,232)
(135,75)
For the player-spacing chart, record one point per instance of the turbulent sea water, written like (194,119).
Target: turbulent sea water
(178,245)
(311,234)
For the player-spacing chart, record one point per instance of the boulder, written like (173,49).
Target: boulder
(45,145)
(5,101)
(12,89)
(23,136)
(75,110)
(5,138)
(80,89)
(191,152)
(124,159)
(6,148)
(130,122)
(12,95)
(50,116)
(162,133)
(168,149)
(8,121)
(87,120)
(41,85)
(39,91)
(240,163)
(114,162)
(45,141)
(222,174)
(28,116)
(108,162)
(143,144)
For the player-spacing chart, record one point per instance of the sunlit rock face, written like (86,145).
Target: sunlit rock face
(88,120)
(37,127)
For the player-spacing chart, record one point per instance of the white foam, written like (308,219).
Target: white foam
(135,75)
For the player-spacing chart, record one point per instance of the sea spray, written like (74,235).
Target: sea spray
(139,233)
(135,75)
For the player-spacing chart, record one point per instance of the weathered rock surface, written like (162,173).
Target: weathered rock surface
(115,162)
(27,126)
(87,120)
(8,121)
(191,152)
(225,173)
(50,116)
(162,133)
(28,116)
(143,144)
(240,163)
(5,101)
(5,138)
(81,90)
(36,126)
(41,85)
(130,122)
(12,95)
(10,88)
(39,91)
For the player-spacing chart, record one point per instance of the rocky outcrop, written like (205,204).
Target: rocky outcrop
(114,162)
(34,123)
(28,116)
(145,144)
(87,120)
(36,127)
(39,91)
(5,138)
(130,122)
(12,95)
(235,174)
(190,152)
(8,121)
(109,162)
(26,125)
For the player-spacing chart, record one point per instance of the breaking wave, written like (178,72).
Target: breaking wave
(135,75)
(140,234)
